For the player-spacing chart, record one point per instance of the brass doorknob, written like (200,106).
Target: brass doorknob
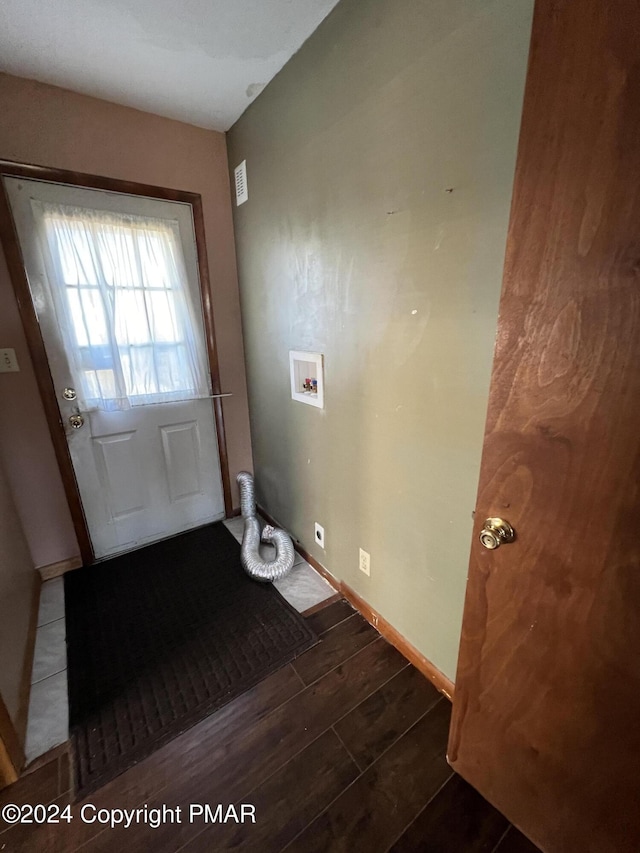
(496,532)
(76,421)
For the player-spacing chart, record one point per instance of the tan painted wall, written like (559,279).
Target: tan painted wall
(17,579)
(53,127)
(351,245)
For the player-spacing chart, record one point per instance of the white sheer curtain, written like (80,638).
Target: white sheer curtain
(119,286)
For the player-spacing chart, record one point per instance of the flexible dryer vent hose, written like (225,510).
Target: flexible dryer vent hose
(252,562)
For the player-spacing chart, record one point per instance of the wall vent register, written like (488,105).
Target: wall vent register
(242,191)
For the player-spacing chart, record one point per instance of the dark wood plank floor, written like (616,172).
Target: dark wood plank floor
(343,750)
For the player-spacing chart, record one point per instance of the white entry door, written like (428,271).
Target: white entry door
(114,281)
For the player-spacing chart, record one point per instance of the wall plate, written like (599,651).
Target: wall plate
(8,361)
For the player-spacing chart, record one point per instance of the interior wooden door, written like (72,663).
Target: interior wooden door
(546,719)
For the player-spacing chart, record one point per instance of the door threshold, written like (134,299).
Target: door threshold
(139,546)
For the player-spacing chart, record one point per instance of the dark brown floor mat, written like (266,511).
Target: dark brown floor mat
(161,637)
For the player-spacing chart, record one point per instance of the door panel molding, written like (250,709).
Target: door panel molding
(35,342)
(117,462)
(181,450)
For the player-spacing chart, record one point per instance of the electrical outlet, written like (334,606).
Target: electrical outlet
(319,534)
(365,562)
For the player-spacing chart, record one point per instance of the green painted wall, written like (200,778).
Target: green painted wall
(351,245)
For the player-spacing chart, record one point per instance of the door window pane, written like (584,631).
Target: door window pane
(121,286)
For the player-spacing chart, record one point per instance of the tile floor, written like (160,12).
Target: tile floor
(48,724)
(303,587)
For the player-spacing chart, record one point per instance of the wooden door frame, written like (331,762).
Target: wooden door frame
(12,756)
(35,342)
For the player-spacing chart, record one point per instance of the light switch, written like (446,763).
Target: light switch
(8,361)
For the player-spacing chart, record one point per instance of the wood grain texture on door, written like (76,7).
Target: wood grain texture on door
(547,695)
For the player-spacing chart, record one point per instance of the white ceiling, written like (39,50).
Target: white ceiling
(199,61)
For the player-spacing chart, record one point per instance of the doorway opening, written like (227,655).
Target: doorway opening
(112,283)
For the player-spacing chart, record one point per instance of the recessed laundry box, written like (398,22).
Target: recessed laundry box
(307,377)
